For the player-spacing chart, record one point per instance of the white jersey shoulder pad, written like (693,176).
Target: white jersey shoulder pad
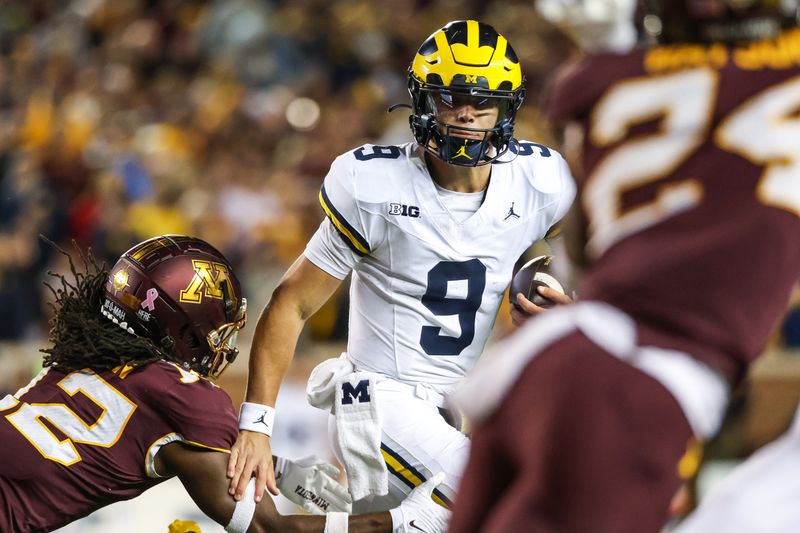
(546,171)
(545,168)
(358,183)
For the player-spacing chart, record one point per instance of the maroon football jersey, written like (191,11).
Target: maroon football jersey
(690,189)
(73,443)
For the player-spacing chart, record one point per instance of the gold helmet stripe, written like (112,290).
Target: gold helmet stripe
(472,53)
(470,60)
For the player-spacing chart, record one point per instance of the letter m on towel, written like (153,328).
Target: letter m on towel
(360,392)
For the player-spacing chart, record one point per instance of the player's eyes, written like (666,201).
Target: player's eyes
(451,101)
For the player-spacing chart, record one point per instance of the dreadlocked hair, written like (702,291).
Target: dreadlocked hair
(80,335)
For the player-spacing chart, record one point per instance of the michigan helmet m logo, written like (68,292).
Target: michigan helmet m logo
(208,279)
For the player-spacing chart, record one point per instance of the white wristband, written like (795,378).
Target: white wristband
(336,522)
(257,417)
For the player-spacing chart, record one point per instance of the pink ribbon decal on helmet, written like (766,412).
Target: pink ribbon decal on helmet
(149,302)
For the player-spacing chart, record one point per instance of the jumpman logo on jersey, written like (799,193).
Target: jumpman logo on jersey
(462,152)
(511,212)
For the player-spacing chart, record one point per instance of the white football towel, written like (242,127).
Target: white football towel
(335,386)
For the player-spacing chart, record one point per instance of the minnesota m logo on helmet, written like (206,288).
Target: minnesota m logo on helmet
(208,280)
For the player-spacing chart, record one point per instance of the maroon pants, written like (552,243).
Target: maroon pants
(582,443)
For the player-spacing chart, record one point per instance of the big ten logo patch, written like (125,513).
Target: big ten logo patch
(404,210)
(360,392)
(208,280)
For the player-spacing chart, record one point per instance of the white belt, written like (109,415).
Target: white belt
(422,391)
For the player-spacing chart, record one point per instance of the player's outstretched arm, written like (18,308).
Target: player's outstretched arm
(202,473)
(301,292)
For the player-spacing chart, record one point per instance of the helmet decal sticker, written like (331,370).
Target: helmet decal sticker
(120,280)
(208,279)
(150,301)
(182,294)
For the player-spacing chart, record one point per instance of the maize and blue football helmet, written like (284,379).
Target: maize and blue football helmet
(726,21)
(465,61)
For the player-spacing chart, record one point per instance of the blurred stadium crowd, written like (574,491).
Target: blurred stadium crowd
(124,119)
(130,118)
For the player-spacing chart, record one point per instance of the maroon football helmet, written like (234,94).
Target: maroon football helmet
(181,293)
(727,21)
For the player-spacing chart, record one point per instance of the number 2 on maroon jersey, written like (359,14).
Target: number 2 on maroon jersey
(105,431)
(764,129)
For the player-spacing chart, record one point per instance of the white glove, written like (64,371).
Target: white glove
(311,483)
(419,513)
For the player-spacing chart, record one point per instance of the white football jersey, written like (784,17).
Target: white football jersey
(426,288)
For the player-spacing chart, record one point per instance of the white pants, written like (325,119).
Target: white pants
(762,495)
(416,443)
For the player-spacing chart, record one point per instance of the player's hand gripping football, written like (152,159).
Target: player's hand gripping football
(311,483)
(419,513)
(523,308)
(251,454)
(534,289)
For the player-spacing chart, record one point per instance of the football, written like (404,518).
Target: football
(533,274)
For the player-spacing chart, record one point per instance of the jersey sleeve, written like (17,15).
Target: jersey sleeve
(566,194)
(328,250)
(552,180)
(338,197)
(577,86)
(563,95)
(198,413)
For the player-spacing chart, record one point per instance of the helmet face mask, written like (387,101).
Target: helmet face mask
(182,294)
(465,63)
(222,342)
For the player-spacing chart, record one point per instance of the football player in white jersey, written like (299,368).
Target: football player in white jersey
(431,231)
